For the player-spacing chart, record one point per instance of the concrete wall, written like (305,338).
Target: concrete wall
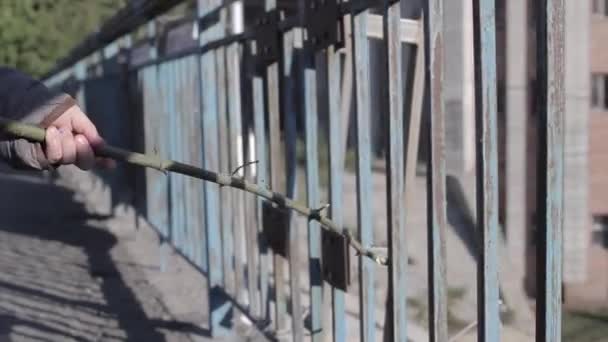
(459,88)
(576,218)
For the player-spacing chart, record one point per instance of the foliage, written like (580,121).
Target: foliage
(34,34)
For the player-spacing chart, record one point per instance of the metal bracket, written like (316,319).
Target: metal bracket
(267,39)
(275,227)
(336,259)
(323,24)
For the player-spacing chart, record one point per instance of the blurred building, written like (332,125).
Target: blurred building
(586,153)
(586,128)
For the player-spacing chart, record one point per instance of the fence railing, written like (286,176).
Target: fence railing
(241,85)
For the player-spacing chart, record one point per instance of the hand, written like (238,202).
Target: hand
(72,139)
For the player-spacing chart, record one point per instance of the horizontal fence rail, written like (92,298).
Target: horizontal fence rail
(289,96)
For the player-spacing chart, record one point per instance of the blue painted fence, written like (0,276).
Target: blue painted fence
(237,81)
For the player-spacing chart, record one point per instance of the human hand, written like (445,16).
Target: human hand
(72,138)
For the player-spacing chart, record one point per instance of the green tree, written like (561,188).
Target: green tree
(35,34)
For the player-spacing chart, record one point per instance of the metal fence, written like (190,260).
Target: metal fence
(242,82)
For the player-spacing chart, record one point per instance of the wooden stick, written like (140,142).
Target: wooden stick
(36,134)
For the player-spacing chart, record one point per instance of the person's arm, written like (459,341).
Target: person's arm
(70,135)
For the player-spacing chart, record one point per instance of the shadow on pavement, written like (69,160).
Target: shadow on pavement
(58,280)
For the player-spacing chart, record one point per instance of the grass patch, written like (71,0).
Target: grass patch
(580,326)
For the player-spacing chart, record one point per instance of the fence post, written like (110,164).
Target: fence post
(397,242)
(364,171)
(292,40)
(336,177)
(259,120)
(220,309)
(487,169)
(551,103)
(436,188)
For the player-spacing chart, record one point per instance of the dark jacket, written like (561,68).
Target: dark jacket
(28,100)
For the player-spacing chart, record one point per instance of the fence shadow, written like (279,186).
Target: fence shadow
(58,277)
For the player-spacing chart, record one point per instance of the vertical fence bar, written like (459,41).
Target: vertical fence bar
(346,87)
(397,243)
(164,78)
(336,178)
(164,134)
(177,190)
(170,98)
(226,153)
(236,159)
(178,193)
(187,138)
(313,196)
(160,210)
(487,169)
(364,171)
(261,175)
(183,124)
(156,182)
(551,104)
(162,191)
(310,111)
(235,68)
(436,194)
(193,140)
(277,176)
(290,39)
(241,234)
(219,308)
(180,204)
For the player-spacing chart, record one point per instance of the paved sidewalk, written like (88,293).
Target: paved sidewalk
(64,276)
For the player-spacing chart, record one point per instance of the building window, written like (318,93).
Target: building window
(599,231)
(600,7)
(599,89)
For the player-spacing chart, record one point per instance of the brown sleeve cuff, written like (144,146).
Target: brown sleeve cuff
(66,103)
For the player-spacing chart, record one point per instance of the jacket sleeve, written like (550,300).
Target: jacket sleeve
(28,100)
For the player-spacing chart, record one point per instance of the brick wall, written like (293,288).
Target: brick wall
(598,162)
(593,292)
(599,47)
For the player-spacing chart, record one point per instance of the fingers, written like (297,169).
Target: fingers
(105,163)
(72,139)
(68,146)
(81,124)
(53,150)
(85,158)
(62,147)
